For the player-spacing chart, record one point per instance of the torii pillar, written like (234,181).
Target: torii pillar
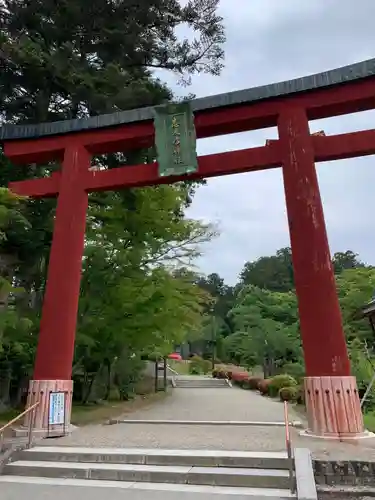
(55,351)
(332,400)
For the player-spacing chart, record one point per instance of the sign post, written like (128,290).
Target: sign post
(57,414)
(175,139)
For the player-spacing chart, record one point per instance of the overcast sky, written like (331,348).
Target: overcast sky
(270,41)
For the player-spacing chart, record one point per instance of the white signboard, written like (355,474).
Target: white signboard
(56,408)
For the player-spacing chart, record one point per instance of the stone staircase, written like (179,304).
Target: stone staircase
(195,381)
(152,474)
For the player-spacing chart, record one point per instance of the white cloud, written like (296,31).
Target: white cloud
(268,41)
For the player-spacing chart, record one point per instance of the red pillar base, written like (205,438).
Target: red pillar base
(333,409)
(40,390)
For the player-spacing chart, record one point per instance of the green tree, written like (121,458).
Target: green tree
(266,328)
(346,260)
(15,338)
(223,297)
(69,60)
(274,273)
(355,287)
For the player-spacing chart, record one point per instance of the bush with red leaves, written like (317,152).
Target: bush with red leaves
(264,385)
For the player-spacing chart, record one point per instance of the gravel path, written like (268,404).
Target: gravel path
(211,404)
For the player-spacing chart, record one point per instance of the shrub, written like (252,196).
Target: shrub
(222,373)
(263,386)
(247,384)
(279,382)
(254,383)
(196,366)
(194,370)
(301,400)
(206,366)
(240,377)
(288,393)
(296,370)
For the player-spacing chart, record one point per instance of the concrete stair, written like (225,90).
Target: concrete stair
(182,474)
(194,382)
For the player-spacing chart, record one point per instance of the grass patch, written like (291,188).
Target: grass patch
(369,420)
(98,413)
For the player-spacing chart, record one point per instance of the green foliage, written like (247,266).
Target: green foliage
(296,370)
(264,385)
(301,397)
(252,383)
(355,288)
(275,273)
(363,367)
(72,60)
(279,382)
(198,366)
(289,393)
(346,260)
(266,327)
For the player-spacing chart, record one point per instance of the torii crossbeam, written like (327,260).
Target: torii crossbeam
(331,392)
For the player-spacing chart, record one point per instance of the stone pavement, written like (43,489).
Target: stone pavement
(211,404)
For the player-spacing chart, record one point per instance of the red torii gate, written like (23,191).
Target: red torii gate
(331,392)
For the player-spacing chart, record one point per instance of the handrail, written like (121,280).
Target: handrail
(11,422)
(32,409)
(172,370)
(173,378)
(289,448)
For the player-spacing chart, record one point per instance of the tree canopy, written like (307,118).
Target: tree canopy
(72,59)
(263,316)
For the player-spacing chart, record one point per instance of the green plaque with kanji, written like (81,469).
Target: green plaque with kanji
(175,139)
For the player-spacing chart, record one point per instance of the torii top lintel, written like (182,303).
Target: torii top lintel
(300,88)
(340,91)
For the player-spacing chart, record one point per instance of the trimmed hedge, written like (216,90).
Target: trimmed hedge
(288,393)
(240,377)
(283,386)
(279,382)
(264,385)
(252,383)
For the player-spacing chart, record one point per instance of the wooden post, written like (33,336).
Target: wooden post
(165,374)
(156,375)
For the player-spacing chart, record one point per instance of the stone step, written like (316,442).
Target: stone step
(201,382)
(141,456)
(212,476)
(16,487)
(200,386)
(211,382)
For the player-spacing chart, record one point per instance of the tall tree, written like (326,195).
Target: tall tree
(71,59)
(266,328)
(273,273)
(346,260)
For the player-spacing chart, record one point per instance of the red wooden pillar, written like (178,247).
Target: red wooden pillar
(331,392)
(54,357)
